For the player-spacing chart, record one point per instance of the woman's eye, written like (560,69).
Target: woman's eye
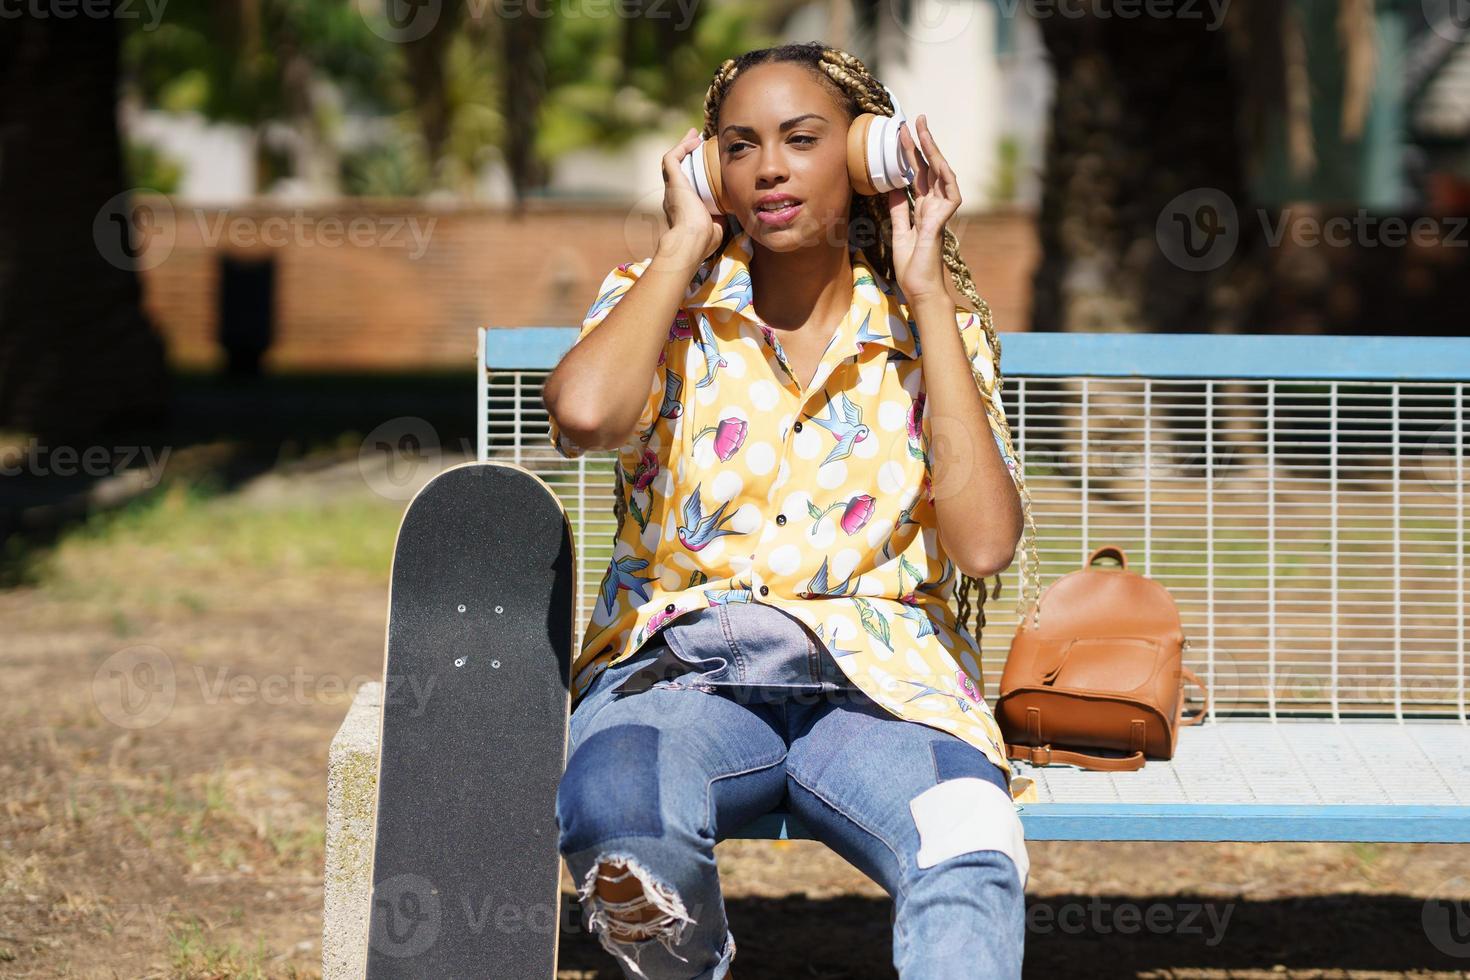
(738,144)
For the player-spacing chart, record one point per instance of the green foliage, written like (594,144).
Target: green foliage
(1008,171)
(235,62)
(608,78)
(150,167)
(597,99)
(389,168)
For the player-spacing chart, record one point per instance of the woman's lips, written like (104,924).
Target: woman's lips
(781,217)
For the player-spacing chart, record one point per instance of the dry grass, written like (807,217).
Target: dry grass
(188,842)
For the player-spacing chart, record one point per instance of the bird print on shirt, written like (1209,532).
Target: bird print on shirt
(817,587)
(927,691)
(619,576)
(831,645)
(844,421)
(719,597)
(697,531)
(704,338)
(673,404)
(739,290)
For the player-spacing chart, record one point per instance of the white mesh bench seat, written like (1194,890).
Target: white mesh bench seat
(1257,781)
(1304,500)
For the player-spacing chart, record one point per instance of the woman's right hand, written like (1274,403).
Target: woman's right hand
(693,233)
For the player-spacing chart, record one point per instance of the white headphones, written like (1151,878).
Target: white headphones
(875,163)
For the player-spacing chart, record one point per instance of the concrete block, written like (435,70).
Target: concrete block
(352,800)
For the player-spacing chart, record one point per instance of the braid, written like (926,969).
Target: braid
(861,92)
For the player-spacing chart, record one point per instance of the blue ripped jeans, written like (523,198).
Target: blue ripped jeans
(731,712)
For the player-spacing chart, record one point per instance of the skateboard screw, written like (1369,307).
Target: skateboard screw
(461,607)
(459,662)
(495,663)
(499,610)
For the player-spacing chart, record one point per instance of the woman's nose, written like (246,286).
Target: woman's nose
(772,166)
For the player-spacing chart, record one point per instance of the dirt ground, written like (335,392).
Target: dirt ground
(189,844)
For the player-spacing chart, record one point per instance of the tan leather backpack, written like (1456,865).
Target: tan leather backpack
(1103,669)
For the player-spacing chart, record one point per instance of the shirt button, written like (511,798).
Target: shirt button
(780,518)
(796,427)
(669,607)
(765,590)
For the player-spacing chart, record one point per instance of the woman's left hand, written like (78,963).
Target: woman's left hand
(918,245)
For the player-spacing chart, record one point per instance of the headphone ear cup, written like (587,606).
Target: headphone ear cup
(857,155)
(716,178)
(702,167)
(876,163)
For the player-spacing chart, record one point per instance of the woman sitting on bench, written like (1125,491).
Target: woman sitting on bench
(800,485)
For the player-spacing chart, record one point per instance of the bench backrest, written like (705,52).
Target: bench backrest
(1302,498)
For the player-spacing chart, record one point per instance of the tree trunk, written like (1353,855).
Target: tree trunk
(77,354)
(525,88)
(1144,189)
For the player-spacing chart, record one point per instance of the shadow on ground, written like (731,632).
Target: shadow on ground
(1095,936)
(223,431)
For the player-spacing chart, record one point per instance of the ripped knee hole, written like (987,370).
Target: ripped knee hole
(629,904)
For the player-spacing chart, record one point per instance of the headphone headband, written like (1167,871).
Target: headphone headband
(897,109)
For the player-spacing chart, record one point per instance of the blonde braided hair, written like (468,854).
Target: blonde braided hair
(861,92)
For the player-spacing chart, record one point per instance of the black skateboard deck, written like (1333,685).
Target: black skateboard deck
(466,870)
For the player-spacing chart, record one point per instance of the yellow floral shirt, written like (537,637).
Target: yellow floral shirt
(738,486)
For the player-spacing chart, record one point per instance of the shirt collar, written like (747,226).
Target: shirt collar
(877,314)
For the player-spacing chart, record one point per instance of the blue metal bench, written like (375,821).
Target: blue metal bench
(1304,500)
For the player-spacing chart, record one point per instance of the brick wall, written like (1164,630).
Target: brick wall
(356,290)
